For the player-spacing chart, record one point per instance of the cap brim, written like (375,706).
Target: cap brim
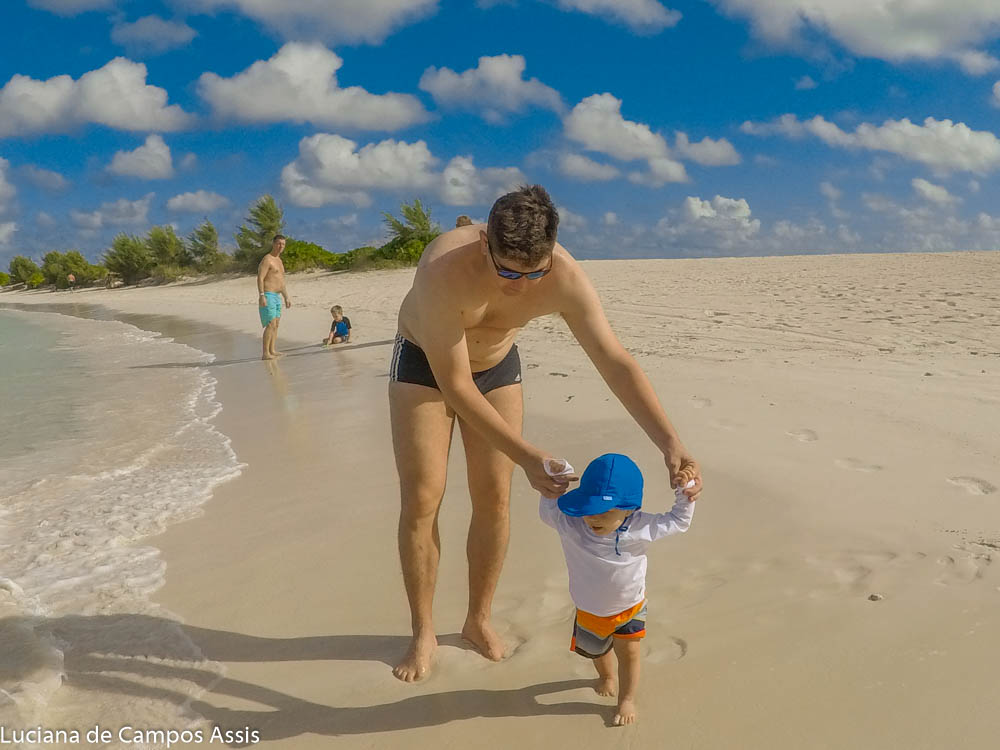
(576,503)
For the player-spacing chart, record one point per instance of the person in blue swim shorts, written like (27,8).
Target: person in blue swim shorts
(271,288)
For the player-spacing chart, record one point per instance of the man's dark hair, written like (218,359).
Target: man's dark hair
(278,237)
(522,225)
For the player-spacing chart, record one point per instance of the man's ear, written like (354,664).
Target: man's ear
(483,242)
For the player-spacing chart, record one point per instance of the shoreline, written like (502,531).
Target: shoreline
(833,472)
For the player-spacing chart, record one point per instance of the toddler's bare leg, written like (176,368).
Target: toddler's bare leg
(605,665)
(627,652)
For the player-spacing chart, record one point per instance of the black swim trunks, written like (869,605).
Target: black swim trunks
(410,365)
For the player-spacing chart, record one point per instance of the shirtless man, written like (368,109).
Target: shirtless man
(475,288)
(271,286)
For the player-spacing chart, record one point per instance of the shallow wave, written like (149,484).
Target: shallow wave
(137,452)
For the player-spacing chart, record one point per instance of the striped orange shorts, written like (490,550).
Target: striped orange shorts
(594,635)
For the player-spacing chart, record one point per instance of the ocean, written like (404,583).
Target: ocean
(106,438)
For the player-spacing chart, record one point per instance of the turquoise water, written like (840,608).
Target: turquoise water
(106,438)
(41,387)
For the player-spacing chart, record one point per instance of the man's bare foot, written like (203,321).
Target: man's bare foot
(607,686)
(626,713)
(275,355)
(485,639)
(267,357)
(417,662)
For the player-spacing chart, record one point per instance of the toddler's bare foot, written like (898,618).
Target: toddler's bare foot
(417,662)
(607,686)
(626,713)
(484,638)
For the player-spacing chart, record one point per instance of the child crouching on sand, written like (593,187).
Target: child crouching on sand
(604,537)
(340,329)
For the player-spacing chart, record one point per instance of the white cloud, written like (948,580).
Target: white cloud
(348,221)
(115,95)
(569,221)
(151,161)
(332,169)
(710,153)
(597,124)
(200,201)
(609,219)
(45,219)
(44,178)
(996,94)
(764,160)
(7,229)
(942,144)
(974,186)
(299,83)
(71,7)
(495,87)
(7,191)
(848,237)
(831,191)
(893,30)
(805,83)
(976,63)
(662,170)
(152,34)
(933,193)
(188,161)
(722,223)
(463,184)
(642,16)
(579,166)
(348,21)
(113,214)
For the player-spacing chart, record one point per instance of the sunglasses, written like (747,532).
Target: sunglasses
(507,273)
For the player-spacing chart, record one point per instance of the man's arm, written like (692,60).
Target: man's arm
(585,317)
(443,342)
(262,270)
(284,288)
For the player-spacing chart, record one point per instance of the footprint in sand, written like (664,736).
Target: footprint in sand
(559,374)
(661,650)
(855,465)
(725,424)
(972,485)
(700,403)
(969,563)
(804,436)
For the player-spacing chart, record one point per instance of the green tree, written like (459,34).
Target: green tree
(54,269)
(4,278)
(300,255)
(416,224)
(22,268)
(166,247)
(203,246)
(253,239)
(84,270)
(129,257)
(35,280)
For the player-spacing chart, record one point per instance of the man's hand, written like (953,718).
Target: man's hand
(683,468)
(549,486)
(288,302)
(262,299)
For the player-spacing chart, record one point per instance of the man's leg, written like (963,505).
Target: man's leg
(274,339)
(421,439)
(267,339)
(489,485)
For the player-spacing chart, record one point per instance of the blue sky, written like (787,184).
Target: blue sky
(677,129)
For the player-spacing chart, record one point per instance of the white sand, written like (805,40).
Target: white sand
(844,410)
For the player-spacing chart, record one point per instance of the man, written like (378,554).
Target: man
(474,289)
(271,288)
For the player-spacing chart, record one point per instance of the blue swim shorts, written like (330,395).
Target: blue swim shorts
(272,310)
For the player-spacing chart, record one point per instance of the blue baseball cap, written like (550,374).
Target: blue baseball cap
(610,481)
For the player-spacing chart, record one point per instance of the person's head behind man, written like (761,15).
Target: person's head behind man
(278,244)
(463,221)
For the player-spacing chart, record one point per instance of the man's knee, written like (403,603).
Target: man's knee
(419,507)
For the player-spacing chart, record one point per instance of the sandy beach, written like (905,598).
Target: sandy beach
(839,587)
